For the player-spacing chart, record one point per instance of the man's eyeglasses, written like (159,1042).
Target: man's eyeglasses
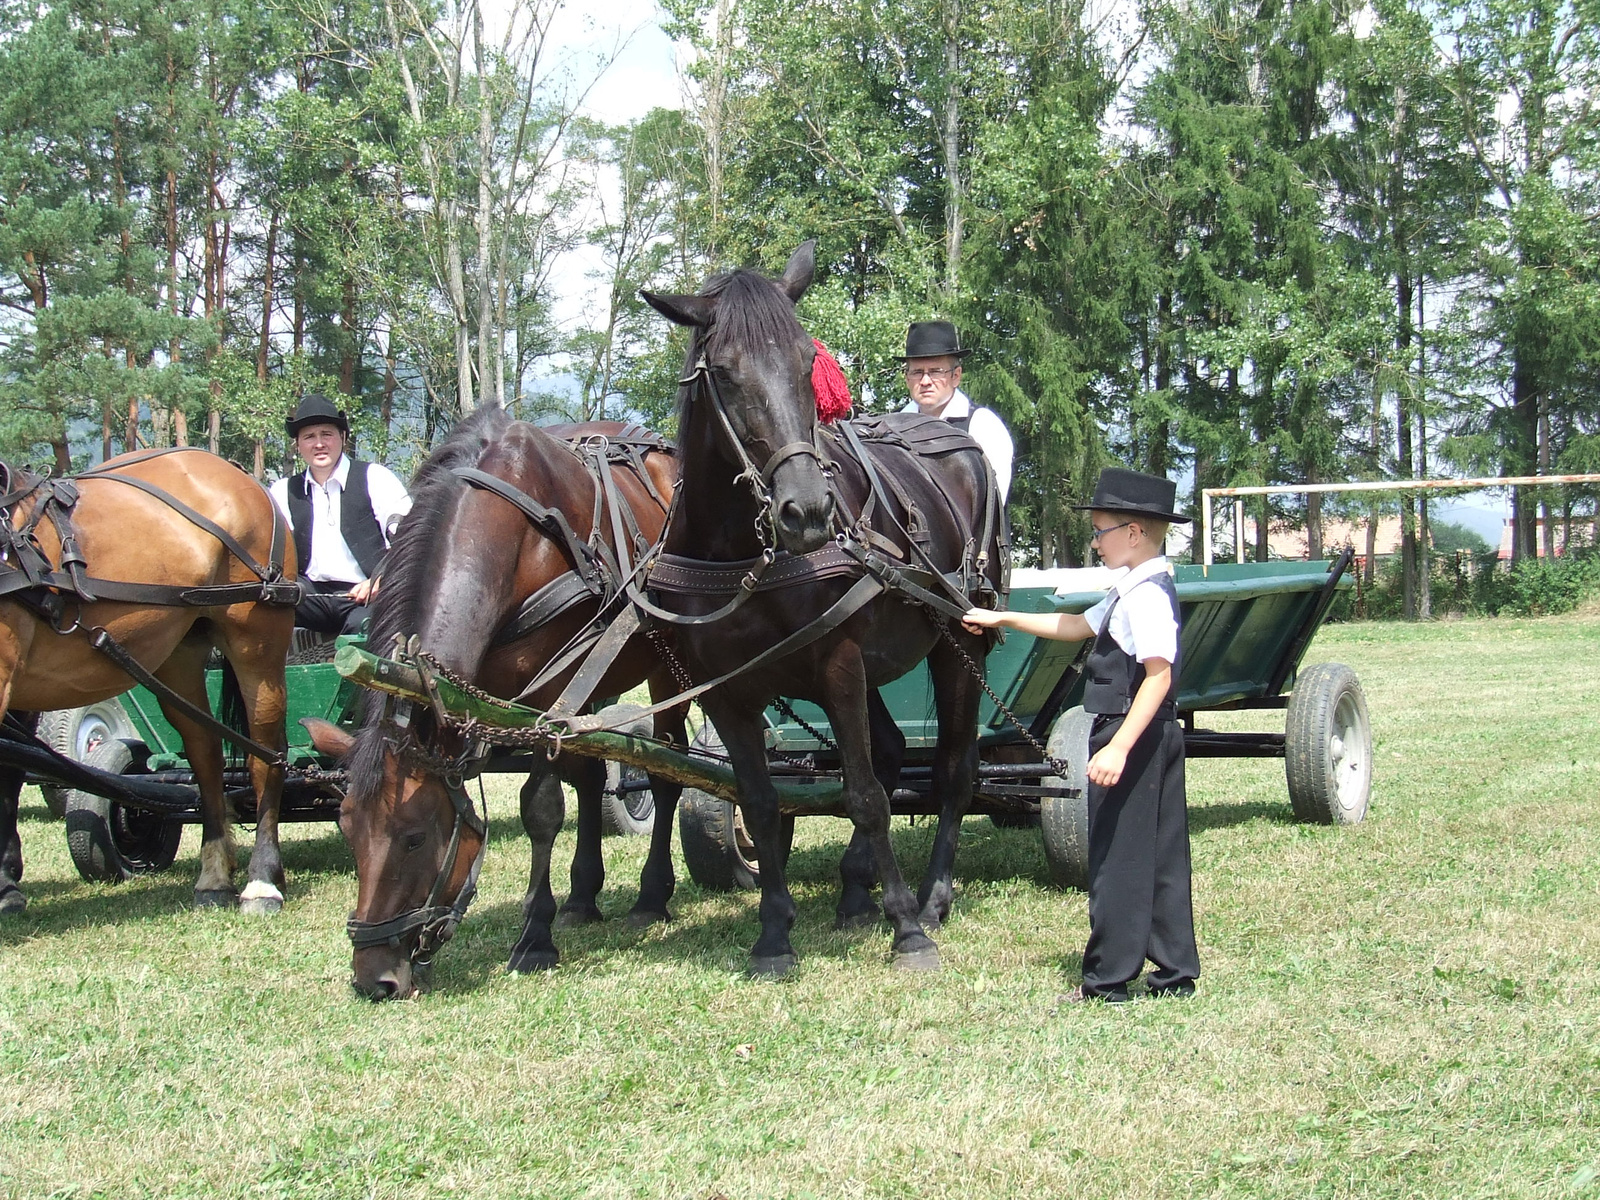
(1100,533)
(937,374)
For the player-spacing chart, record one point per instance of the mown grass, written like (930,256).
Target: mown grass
(1406,1008)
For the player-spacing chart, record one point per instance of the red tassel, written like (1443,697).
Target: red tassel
(830,386)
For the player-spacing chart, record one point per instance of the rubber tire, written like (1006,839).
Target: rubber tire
(109,843)
(1327,753)
(632,814)
(75,732)
(1064,820)
(716,850)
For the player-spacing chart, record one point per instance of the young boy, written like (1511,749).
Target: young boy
(1139,892)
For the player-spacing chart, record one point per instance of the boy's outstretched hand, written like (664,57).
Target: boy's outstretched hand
(976,620)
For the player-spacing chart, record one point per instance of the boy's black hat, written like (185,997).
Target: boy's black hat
(932,339)
(1135,494)
(316,409)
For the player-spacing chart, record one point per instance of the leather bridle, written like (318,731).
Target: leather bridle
(432,923)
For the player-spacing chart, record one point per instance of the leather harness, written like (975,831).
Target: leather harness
(29,578)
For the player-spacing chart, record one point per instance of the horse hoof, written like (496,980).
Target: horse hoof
(571,918)
(643,918)
(772,966)
(261,906)
(528,961)
(12,901)
(924,959)
(930,923)
(216,898)
(860,920)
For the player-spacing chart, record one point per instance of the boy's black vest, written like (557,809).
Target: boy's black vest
(1113,676)
(356,522)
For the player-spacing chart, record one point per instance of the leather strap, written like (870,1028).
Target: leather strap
(102,641)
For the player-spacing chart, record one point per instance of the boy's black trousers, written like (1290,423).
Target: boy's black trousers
(1139,898)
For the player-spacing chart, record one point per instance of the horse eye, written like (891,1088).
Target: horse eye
(414,841)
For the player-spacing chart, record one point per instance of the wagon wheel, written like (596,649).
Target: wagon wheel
(625,808)
(1064,820)
(75,732)
(1328,746)
(109,842)
(720,855)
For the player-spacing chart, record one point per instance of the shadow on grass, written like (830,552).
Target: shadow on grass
(1226,816)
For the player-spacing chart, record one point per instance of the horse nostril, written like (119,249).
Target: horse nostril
(791,515)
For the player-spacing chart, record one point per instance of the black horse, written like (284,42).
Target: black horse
(766,491)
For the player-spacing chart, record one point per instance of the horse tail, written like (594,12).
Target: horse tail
(231,710)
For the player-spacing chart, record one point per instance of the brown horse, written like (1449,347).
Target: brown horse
(465,575)
(131,536)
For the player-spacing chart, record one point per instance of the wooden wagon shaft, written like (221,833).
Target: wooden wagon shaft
(801,797)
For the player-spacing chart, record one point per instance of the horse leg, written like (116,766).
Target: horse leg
(658,881)
(258,672)
(185,673)
(742,737)
(588,777)
(955,767)
(11,898)
(857,869)
(544,807)
(868,803)
(13,645)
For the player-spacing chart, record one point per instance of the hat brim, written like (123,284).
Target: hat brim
(1169,517)
(933,354)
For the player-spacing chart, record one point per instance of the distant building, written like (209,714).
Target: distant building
(1290,543)
(1582,535)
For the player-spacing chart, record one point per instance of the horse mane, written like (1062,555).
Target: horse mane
(411,561)
(751,310)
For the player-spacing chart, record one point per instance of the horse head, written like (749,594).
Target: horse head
(748,393)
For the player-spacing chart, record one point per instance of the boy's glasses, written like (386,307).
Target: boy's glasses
(1100,533)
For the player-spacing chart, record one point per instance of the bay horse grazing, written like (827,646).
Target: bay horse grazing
(171,554)
(489,571)
(766,492)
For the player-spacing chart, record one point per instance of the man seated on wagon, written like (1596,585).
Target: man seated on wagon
(342,511)
(933,376)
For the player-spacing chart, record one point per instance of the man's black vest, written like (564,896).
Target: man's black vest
(356,522)
(1113,676)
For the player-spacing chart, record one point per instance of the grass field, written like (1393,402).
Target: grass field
(1410,1007)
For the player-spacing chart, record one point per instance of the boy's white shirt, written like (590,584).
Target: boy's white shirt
(1142,623)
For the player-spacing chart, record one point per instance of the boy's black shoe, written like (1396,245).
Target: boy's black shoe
(1179,991)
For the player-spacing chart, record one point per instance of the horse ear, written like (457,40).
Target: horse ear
(684,310)
(802,268)
(327,737)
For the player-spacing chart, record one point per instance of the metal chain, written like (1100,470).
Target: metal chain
(1060,766)
(823,739)
(664,650)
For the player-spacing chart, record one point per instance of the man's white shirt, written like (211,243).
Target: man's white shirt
(331,560)
(1142,622)
(987,429)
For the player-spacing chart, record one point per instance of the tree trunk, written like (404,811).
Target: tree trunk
(264,345)
(952,149)
(1547,532)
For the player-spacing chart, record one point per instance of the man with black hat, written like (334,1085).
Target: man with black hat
(1139,882)
(933,376)
(340,510)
